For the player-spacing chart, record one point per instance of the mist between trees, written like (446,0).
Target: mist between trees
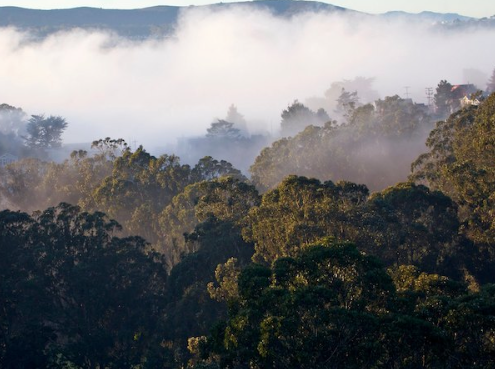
(173,87)
(125,276)
(356,232)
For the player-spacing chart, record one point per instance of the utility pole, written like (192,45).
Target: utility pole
(407,91)
(132,143)
(429,95)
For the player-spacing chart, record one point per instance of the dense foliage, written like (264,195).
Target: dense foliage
(330,306)
(374,146)
(72,292)
(162,264)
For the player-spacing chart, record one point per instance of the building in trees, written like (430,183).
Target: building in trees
(465,101)
(449,98)
(460,91)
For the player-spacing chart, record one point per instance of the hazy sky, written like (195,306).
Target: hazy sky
(475,8)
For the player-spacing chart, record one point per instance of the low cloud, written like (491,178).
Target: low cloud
(155,91)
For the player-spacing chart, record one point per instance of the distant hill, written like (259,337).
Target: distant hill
(161,20)
(137,23)
(430,16)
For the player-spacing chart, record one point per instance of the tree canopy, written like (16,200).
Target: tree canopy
(82,296)
(297,116)
(130,260)
(45,133)
(460,163)
(375,147)
(330,306)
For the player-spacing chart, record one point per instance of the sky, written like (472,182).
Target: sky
(474,8)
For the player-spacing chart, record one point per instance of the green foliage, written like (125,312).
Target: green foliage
(11,120)
(460,163)
(205,222)
(332,307)
(404,224)
(12,127)
(223,129)
(471,323)
(110,148)
(45,133)
(208,168)
(21,183)
(23,334)
(299,211)
(75,295)
(465,320)
(191,311)
(31,184)
(432,168)
(400,118)
(225,198)
(420,225)
(444,99)
(305,312)
(297,116)
(132,187)
(359,151)
(82,295)
(347,103)
(226,276)
(409,279)
(139,187)
(474,173)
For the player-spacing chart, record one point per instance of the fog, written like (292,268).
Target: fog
(155,91)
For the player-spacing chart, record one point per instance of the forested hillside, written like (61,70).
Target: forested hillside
(115,258)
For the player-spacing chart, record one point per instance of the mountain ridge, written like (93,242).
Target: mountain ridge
(161,20)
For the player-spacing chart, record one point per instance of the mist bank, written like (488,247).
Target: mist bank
(155,91)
